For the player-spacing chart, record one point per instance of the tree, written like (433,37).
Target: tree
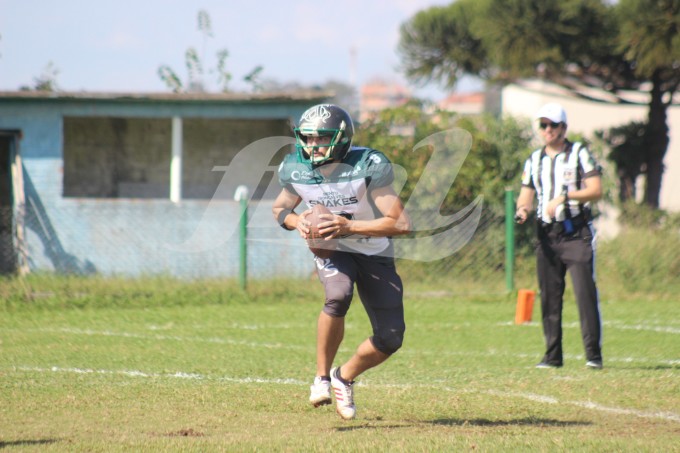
(195,66)
(625,141)
(46,81)
(253,78)
(494,162)
(627,45)
(496,157)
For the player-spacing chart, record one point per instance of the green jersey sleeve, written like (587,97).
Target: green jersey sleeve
(378,168)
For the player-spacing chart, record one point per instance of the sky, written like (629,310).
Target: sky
(118,46)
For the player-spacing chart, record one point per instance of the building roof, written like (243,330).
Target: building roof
(467,103)
(467,98)
(297,96)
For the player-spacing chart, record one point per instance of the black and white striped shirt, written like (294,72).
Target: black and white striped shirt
(548,177)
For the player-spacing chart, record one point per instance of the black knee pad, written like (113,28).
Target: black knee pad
(337,301)
(388,341)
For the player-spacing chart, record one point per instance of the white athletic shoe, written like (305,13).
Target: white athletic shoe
(321,392)
(344,397)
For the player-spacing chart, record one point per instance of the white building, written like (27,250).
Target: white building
(586,116)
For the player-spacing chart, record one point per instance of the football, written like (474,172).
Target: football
(316,243)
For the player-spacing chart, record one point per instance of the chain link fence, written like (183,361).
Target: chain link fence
(122,238)
(108,243)
(480,261)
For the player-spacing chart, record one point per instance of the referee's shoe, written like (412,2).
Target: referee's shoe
(546,365)
(594,364)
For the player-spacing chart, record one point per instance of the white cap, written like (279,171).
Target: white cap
(554,112)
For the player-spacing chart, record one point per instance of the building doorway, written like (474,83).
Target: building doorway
(11,199)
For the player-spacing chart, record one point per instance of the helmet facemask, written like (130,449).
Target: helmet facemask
(319,153)
(324,120)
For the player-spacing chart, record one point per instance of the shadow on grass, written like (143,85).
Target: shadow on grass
(517,422)
(372,426)
(25,443)
(469,422)
(650,367)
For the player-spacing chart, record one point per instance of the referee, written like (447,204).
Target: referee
(565,179)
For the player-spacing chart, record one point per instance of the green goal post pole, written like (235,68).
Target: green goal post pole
(509,239)
(241,196)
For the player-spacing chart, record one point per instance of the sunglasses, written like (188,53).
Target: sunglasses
(551,124)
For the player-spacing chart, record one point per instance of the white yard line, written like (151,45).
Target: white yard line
(607,324)
(142,374)
(542,399)
(588,405)
(405,351)
(108,333)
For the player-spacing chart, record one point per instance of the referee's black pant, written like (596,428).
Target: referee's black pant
(556,253)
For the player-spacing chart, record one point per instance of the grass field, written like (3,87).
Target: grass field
(161,365)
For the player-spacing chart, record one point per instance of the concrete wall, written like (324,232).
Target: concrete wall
(149,237)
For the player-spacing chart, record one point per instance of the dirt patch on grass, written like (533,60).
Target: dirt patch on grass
(188,432)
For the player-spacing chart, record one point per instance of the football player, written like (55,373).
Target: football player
(355,184)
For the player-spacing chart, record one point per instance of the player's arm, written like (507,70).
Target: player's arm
(525,203)
(394,220)
(285,215)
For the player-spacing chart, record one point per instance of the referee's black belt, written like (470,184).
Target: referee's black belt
(577,222)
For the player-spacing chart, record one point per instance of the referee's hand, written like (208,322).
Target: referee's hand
(553,204)
(521,215)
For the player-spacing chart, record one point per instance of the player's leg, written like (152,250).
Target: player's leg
(337,276)
(342,378)
(551,272)
(329,334)
(330,331)
(364,358)
(381,292)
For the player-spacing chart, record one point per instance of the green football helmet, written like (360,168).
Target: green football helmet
(324,120)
